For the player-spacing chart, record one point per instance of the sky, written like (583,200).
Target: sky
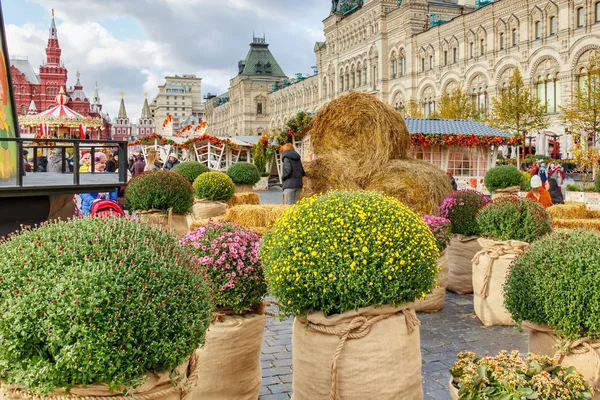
(130,45)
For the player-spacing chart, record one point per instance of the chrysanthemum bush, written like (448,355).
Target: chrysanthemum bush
(346,250)
(215,186)
(99,300)
(440,227)
(513,218)
(555,282)
(512,376)
(229,255)
(159,190)
(190,170)
(461,207)
(502,177)
(243,173)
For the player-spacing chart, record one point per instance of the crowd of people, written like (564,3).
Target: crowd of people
(547,184)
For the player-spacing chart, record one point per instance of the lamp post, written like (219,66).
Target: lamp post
(530,138)
(568,133)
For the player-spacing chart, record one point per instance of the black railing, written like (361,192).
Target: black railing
(60,146)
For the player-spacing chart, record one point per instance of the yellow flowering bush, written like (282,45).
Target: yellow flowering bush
(214,186)
(346,250)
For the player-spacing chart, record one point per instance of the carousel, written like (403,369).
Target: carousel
(60,122)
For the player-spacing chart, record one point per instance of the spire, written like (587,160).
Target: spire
(146,109)
(32,108)
(96,95)
(78,75)
(122,111)
(53,33)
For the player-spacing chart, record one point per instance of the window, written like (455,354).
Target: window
(480,98)
(167,97)
(430,62)
(455,55)
(552,26)
(471,50)
(538,29)
(467,162)
(394,68)
(168,109)
(422,64)
(445,57)
(502,41)
(402,66)
(598,11)
(549,92)
(175,97)
(580,17)
(482,46)
(515,37)
(428,108)
(259,108)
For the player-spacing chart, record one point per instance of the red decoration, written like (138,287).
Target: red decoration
(432,139)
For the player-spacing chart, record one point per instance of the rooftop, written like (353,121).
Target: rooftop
(452,127)
(260,61)
(23,65)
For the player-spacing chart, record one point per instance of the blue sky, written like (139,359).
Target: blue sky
(130,45)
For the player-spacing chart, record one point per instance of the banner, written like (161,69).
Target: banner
(8,128)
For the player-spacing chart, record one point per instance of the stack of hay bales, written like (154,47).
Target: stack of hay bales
(362,143)
(256,218)
(573,215)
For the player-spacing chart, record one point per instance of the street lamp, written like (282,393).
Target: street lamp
(568,133)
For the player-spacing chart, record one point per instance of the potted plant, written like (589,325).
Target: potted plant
(244,175)
(213,191)
(507,226)
(552,291)
(260,161)
(161,198)
(461,207)
(332,263)
(97,307)
(502,180)
(512,376)
(190,170)
(440,227)
(229,363)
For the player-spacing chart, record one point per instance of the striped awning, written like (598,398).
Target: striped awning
(60,111)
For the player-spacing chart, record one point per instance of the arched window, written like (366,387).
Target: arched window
(455,55)
(430,62)
(471,50)
(422,64)
(482,46)
(445,57)
(538,29)
(428,102)
(394,67)
(549,92)
(580,17)
(22,110)
(515,37)
(597,11)
(552,26)
(403,66)
(502,41)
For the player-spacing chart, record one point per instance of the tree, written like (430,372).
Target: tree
(412,109)
(582,115)
(259,157)
(516,110)
(456,105)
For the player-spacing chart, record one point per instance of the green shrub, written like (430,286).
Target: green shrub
(260,160)
(215,186)
(345,250)
(229,254)
(512,218)
(589,188)
(461,207)
(597,183)
(243,173)
(159,190)
(555,282)
(526,182)
(190,170)
(573,188)
(97,300)
(502,177)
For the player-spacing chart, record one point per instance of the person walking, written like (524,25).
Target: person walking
(538,193)
(153,163)
(555,192)
(138,167)
(171,162)
(292,174)
(111,164)
(452,181)
(55,161)
(543,174)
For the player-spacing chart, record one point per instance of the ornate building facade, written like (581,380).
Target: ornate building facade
(398,50)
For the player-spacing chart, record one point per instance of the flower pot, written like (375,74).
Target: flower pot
(490,269)
(509,191)
(176,224)
(263,184)
(204,209)
(434,302)
(583,354)
(158,386)
(229,362)
(453,391)
(380,357)
(460,252)
(243,188)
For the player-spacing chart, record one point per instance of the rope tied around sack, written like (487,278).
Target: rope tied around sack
(358,328)
(498,250)
(185,388)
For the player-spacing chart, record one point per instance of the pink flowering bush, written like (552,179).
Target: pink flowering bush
(440,227)
(461,207)
(229,255)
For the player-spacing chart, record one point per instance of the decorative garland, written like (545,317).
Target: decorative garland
(203,138)
(432,139)
(167,120)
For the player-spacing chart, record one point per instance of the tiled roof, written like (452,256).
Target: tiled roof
(452,127)
(25,67)
(260,53)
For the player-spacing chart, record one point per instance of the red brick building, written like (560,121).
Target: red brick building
(36,92)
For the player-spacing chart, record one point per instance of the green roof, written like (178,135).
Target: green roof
(260,61)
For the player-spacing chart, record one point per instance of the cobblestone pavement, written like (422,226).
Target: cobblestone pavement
(443,335)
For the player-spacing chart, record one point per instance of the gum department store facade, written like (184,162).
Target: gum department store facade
(398,50)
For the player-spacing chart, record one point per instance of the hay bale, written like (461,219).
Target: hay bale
(316,180)
(246,198)
(570,210)
(587,224)
(359,134)
(255,216)
(593,214)
(418,184)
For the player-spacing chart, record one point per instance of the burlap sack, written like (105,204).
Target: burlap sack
(434,302)
(229,363)
(158,386)
(364,354)
(204,209)
(175,224)
(509,191)
(583,354)
(461,251)
(490,269)
(61,206)
(453,391)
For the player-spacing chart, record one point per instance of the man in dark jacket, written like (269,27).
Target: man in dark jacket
(138,167)
(171,162)
(292,174)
